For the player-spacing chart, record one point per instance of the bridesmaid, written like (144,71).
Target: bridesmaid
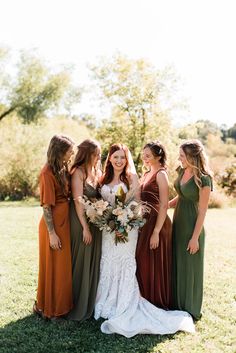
(154,247)
(54,294)
(193,187)
(85,239)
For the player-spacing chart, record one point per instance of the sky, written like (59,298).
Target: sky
(195,37)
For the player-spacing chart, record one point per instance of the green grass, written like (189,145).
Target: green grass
(21,331)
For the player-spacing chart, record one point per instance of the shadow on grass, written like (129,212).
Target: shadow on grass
(32,334)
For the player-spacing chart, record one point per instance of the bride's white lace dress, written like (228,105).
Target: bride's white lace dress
(118,299)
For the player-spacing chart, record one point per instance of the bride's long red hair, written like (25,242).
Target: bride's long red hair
(108,168)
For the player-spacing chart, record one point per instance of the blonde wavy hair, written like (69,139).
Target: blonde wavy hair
(197,160)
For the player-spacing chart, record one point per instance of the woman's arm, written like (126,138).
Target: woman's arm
(136,187)
(173,202)
(162,181)
(54,240)
(204,195)
(77,186)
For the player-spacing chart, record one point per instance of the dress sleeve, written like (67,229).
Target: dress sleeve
(207,181)
(47,189)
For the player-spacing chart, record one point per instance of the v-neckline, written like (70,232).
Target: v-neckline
(92,186)
(186,182)
(155,173)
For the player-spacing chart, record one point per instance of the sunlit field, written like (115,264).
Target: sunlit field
(21,331)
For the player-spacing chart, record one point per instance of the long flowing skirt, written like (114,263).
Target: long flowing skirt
(118,297)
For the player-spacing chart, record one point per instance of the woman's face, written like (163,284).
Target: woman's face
(182,158)
(118,160)
(96,157)
(68,154)
(148,158)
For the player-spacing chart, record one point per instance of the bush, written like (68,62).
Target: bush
(23,152)
(227,180)
(218,199)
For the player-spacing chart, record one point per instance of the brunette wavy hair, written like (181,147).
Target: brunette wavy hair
(197,160)
(108,168)
(57,149)
(83,158)
(158,150)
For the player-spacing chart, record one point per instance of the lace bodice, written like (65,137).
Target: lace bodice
(108,193)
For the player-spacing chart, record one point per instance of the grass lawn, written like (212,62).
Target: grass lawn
(21,331)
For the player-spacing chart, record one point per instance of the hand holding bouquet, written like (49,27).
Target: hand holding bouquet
(120,218)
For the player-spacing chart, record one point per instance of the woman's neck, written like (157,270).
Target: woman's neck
(90,170)
(91,175)
(188,171)
(155,167)
(116,177)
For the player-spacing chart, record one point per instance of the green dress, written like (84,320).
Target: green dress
(85,263)
(187,269)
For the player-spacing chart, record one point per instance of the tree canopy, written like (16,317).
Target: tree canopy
(133,89)
(35,90)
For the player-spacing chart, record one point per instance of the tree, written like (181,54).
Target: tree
(228,180)
(232,132)
(133,89)
(36,89)
(200,130)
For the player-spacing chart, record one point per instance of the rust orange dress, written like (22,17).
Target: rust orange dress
(54,294)
(154,266)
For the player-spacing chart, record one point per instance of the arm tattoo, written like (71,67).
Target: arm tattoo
(47,213)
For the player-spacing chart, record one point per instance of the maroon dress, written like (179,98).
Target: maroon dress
(154,266)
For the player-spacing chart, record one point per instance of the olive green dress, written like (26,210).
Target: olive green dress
(187,274)
(85,263)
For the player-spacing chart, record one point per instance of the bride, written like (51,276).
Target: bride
(118,298)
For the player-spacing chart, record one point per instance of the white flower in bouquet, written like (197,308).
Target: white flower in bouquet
(100,206)
(82,200)
(118,211)
(130,214)
(91,213)
(123,218)
(133,204)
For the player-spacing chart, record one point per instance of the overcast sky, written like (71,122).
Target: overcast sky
(196,37)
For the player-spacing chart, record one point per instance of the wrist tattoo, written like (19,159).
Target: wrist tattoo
(47,213)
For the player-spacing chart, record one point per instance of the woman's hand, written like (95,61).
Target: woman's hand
(54,240)
(87,237)
(154,240)
(193,246)
(173,202)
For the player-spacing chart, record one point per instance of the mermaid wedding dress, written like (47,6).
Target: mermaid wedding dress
(118,298)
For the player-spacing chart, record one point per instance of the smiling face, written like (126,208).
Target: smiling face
(148,158)
(118,160)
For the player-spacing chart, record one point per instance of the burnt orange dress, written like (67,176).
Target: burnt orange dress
(154,266)
(54,294)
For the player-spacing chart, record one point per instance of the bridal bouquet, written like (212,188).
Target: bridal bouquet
(128,214)
(120,218)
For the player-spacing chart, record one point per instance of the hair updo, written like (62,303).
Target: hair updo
(157,150)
